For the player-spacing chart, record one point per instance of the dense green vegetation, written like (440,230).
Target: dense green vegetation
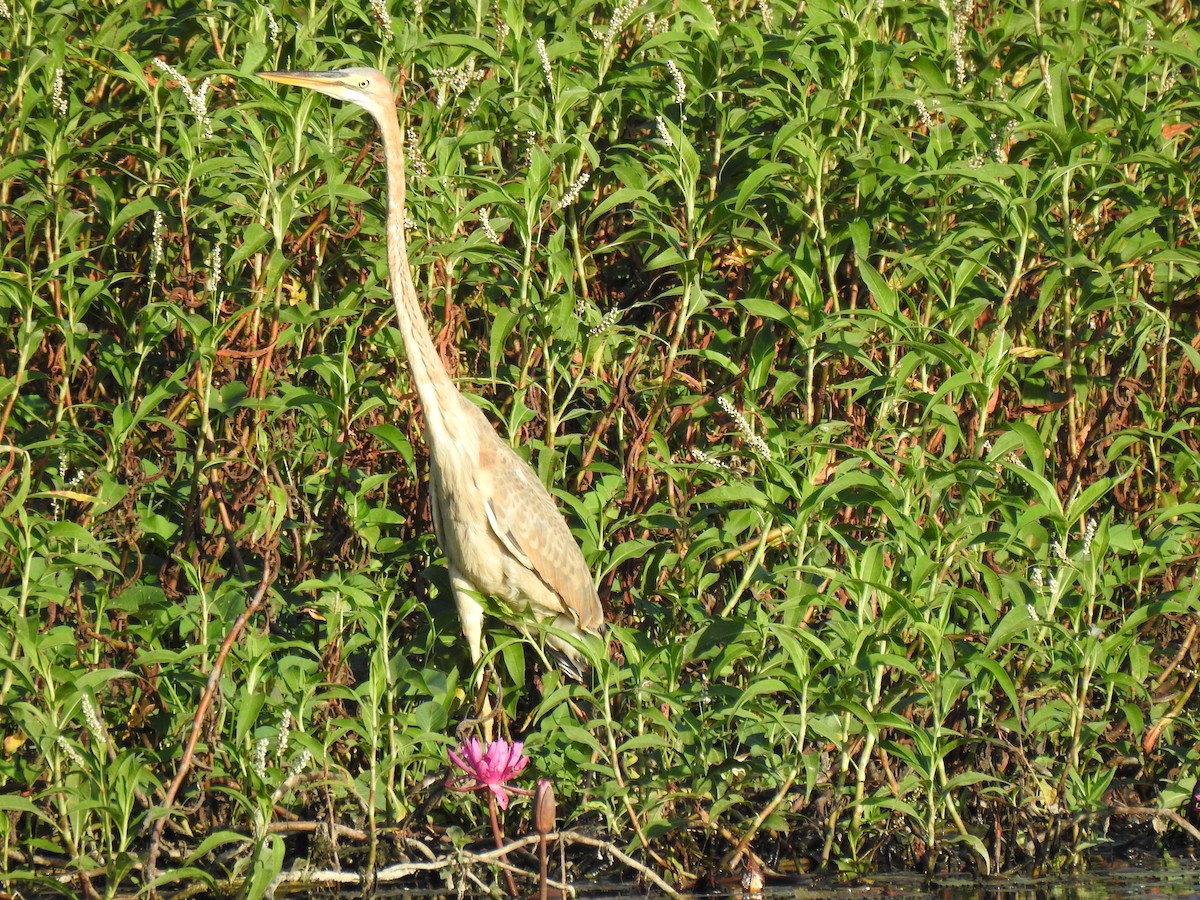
(859,342)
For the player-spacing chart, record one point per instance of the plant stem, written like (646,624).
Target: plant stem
(512,885)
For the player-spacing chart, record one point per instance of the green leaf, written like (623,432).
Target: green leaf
(267,864)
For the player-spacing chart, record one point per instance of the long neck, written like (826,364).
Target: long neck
(434,387)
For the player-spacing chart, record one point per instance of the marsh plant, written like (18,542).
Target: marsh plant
(857,341)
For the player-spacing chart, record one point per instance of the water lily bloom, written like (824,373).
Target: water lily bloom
(500,762)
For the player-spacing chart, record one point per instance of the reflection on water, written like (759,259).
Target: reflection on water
(1140,882)
(1143,881)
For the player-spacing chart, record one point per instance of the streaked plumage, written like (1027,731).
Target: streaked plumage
(501,532)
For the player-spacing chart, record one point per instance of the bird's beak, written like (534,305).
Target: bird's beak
(315,80)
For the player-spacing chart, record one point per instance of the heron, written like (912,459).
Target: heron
(500,530)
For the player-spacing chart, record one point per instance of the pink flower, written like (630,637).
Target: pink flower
(491,768)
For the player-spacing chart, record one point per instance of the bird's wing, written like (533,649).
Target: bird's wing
(530,526)
(507,538)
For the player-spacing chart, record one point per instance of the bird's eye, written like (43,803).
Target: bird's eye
(364,83)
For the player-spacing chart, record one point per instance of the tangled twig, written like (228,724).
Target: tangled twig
(400,871)
(210,691)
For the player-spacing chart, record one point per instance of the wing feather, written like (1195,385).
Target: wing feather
(530,526)
(507,538)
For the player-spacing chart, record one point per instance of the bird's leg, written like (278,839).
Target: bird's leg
(470,615)
(483,715)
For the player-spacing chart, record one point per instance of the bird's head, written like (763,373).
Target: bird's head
(368,88)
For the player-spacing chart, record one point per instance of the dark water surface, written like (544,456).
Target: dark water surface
(1143,881)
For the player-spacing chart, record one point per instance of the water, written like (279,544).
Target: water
(1140,881)
(1159,879)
